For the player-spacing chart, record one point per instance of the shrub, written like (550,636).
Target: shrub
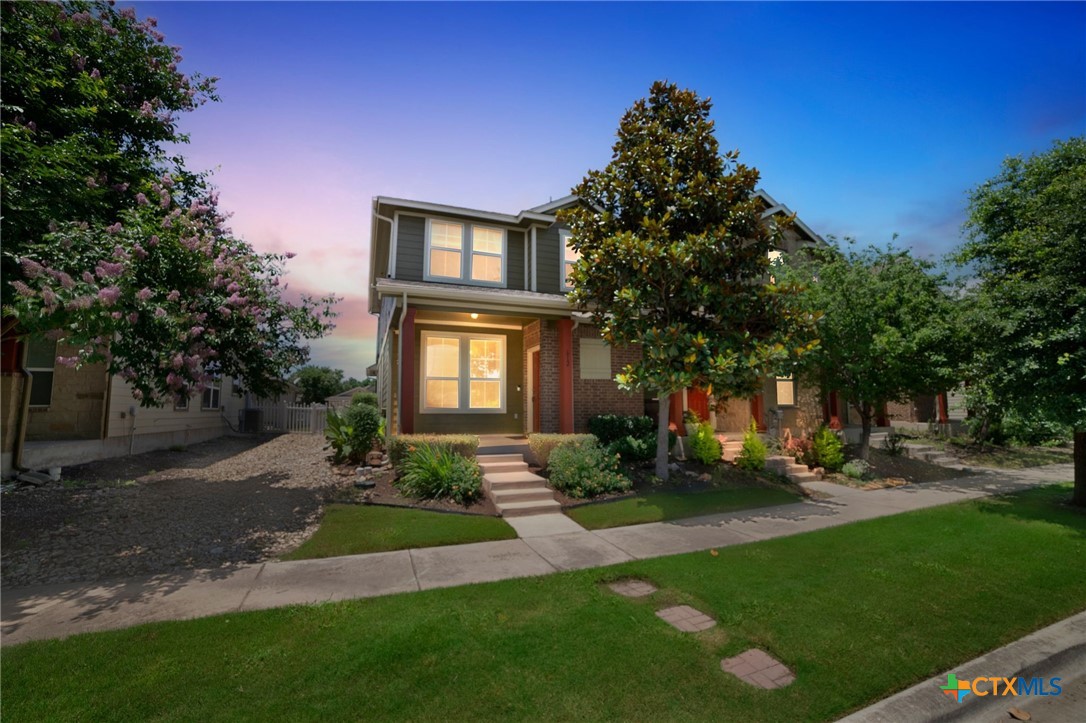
(353,432)
(365,398)
(584,470)
(465,445)
(856,469)
(609,428)
(691,417)
(705,446)
(801,449)
(894,444)
(829,452)
(433,471)
(752,456)
(542,445)
(633,449)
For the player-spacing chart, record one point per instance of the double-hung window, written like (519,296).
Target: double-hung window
(212,395)
(569,257)
(465,252)
(41,357)
(462,372)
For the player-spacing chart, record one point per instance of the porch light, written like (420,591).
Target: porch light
(474,315)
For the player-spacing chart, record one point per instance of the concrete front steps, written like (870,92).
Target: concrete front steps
(931,454)
(514,490)
(788,467)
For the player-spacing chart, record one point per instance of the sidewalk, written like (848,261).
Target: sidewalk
(52,611)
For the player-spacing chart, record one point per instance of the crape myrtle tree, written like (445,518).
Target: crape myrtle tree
(1026,243)
(674,257)
(888,328)
(112,246)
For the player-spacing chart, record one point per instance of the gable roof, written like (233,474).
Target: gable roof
(552,206)
(773,208)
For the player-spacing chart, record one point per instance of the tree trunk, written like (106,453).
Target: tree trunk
(866,414)
(661,436)
(1078,497)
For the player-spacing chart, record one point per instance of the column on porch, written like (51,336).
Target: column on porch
(407,374)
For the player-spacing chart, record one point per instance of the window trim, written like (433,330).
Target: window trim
(178,406)
(564,235)
(598,343)
(214,386)
(51,370)
(467,251)
(464,378)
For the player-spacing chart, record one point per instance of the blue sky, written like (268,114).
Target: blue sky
(865,118)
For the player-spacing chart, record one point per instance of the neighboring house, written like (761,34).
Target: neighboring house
(475,333)
(343,399)
(56,416)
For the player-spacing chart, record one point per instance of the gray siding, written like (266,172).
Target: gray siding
(514,275)
(410,248)
(549,254)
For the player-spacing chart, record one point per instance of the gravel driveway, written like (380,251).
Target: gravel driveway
(231,500)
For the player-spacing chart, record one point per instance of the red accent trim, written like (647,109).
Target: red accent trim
(565,376)
(757,410)
(407,375)
(11,351)
(881,419)
(943,405)
(675,413)
(698,402)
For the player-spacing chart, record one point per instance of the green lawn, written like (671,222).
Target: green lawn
(657,506)
(354,529)
(858,611)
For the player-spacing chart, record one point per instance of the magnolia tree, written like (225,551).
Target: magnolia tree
(110,244)
(674,257)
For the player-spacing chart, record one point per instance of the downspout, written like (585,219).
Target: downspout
(399,356)
(534,260)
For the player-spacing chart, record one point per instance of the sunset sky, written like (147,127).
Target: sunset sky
(866,119)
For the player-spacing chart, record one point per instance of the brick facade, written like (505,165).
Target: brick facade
(78,404)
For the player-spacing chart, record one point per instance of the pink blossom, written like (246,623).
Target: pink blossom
(120,187)
(88,278)
(153,241)
(133,318)
(68,361)
(144,294)
(91,183)
(31,268)
(290,254)
(120,254)
(95,74)
(237,300)
(146,109)
(152,22)
(48,296)
(116,315)
(164,199)
(66,281)
(141,199)
(115,228)
(109,295)
(137,395)
(129,13)
(81,302)
(159,312)
(196,331)
(173,295)
(108,269)
(167,180)
(128,374)
(177,362)
(79,61)
(139,251)
(83,18)
(233,288)
(223,311)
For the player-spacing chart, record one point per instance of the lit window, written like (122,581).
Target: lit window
(212,395)
(446,246)
(774,256)
(41,357)
(595,359)
(570,257)
(486,254)
(442,368)
(463,372)
(786,391)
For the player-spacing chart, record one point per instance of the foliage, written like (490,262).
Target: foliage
(542,445)
(318,383)
(608,428)
(465,445)
(691,417)
(753,454)
(108,245)
(634,449)
(352,433)
(583,469)
(1027,245)
(856,469)
(888,328)
(894,445)
(431,471)
(705,447)
(366,398)
(801,449)
(829,451)
(674,257)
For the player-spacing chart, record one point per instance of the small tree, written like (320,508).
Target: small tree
(887,330)
(674,257)
(318,383)
(1027,244)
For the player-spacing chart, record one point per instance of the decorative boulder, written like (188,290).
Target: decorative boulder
(374,459)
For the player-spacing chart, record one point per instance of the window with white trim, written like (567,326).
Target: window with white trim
(212,395)
(181,402)
(462,372)
(569,257)
(41,359)
(786,391)
(595,359)
(487,247)
(446,246)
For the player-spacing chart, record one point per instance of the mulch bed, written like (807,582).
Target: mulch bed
(385,493)
(895,471)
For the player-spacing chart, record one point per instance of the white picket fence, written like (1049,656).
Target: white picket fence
(279,416)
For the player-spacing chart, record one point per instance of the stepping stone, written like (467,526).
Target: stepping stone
(758,668)
(633,588)
(686,619)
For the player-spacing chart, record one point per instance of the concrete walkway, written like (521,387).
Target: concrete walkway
(54,611)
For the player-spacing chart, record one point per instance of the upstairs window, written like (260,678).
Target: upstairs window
(487,245)
(446,242)
(570,257)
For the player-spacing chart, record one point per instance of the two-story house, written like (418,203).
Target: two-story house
(476,335)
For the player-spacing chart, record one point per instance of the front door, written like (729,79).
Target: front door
(533,391)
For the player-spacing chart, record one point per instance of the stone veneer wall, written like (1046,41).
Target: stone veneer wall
(77,406)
